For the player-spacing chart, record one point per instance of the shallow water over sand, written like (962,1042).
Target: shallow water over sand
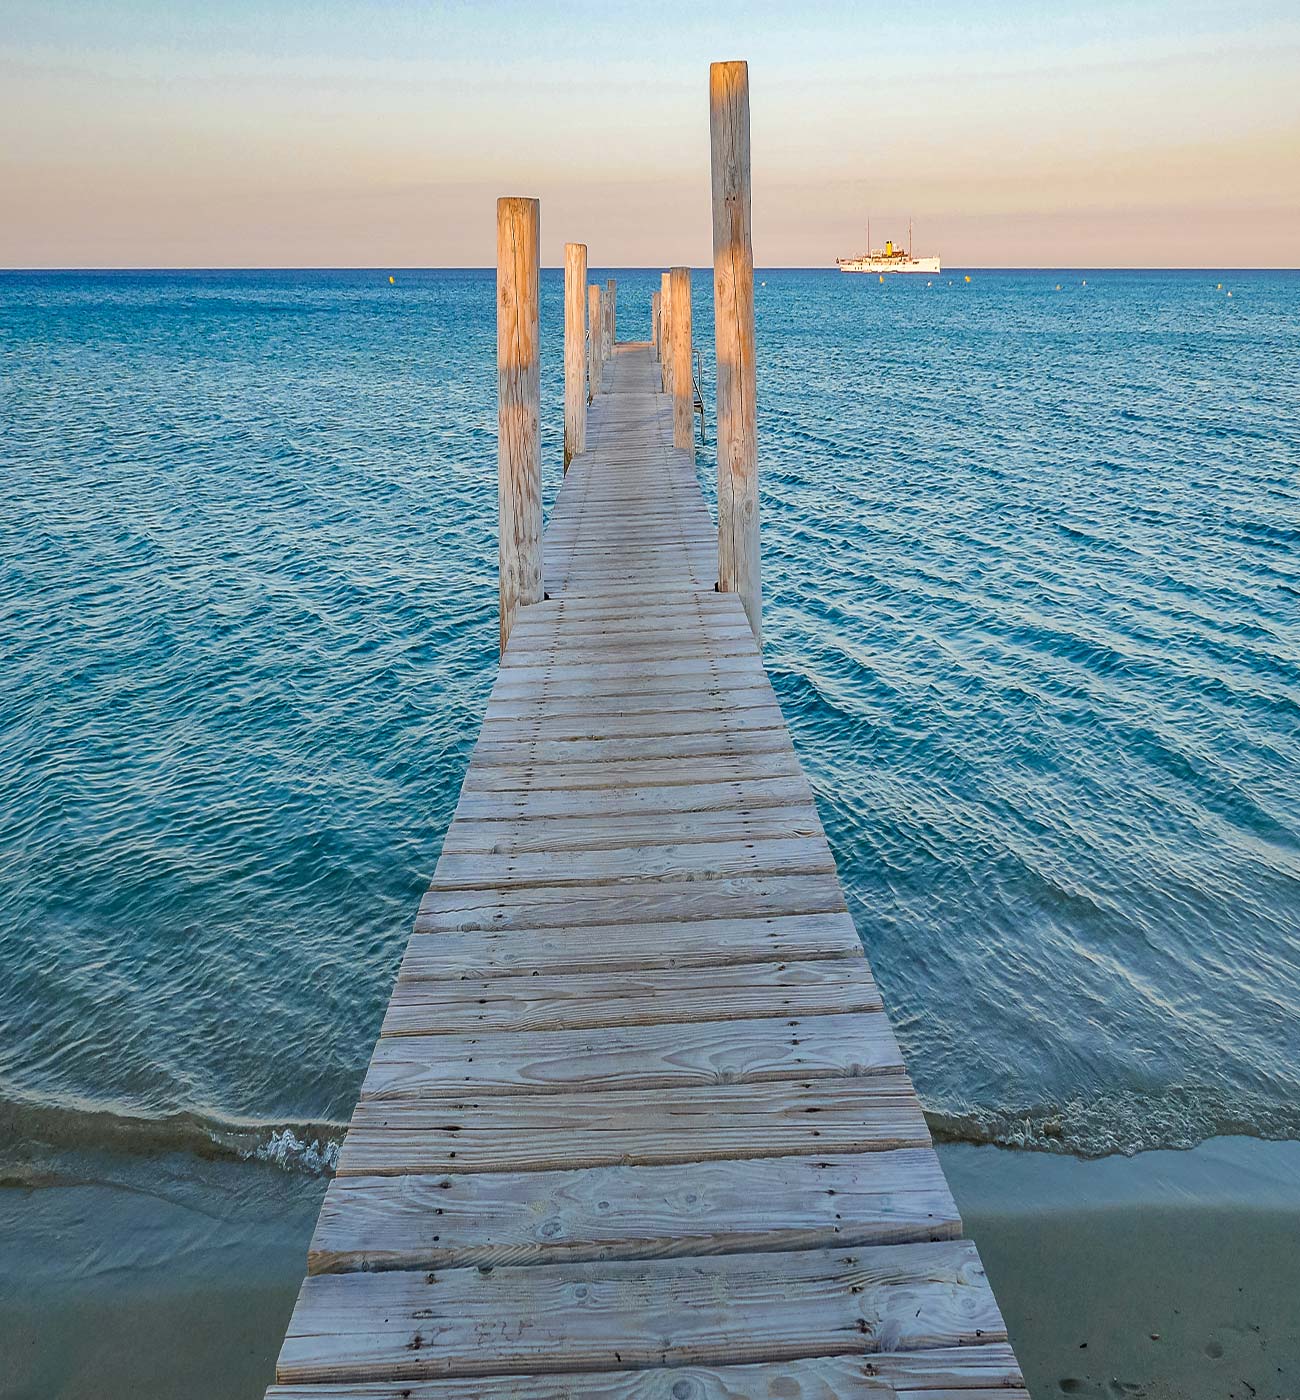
(1032,611)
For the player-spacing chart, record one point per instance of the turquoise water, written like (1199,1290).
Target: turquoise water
(1032,572)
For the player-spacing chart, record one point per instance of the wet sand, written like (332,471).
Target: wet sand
(1168,1275)
(159,1279)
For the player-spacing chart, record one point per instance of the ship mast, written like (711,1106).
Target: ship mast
(909,237)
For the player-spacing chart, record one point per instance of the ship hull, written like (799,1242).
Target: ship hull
(891,265)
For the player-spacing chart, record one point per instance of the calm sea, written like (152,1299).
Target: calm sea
(1032,569)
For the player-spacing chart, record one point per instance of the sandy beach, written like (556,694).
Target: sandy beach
(151,1277)
(1164,1276)
(1170,1275)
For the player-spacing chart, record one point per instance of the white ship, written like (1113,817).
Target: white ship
(888,259)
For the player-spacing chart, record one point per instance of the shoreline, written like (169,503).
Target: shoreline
(1170,1275)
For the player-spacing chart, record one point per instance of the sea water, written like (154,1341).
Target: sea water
(1031,551)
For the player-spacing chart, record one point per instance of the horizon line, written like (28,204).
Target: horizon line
(637,267)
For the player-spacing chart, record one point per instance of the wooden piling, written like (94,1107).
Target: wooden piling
(611,314)
(575,351)
(519,456)
(596,337)
(679,335)
(665,317)
(654,323)
(733,315)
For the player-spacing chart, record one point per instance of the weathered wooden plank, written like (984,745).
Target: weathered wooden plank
(555,1317)
(631,480)
(636,684)
(624,1212)
(573,641)
(629,670)
(623,774)
(622,603)
(617,609)
(666,531)
(546,631)
(674,608)
(722,798)
(832,1378)
(659,479)
(582,531)
(661,583)
(598,520)
(682,647)
(528,706)
(658,996)
(595,515)
(696,860)
(653,1057)
(664,901)
(661,566)
(504,833)
(549,624)
(660,547)
(706,719)
(647,1127)
(717,741)
(987,1371)
(630,947)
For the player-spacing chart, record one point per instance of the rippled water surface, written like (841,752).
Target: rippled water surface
(1032,568)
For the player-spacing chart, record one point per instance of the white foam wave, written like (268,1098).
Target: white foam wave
(286,1150)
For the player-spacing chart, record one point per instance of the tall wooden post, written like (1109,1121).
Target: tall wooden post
(519,453)
(611,310)
(679,335)
(596,335)
(654,323)
(733,317)
(575,351)
(665,320)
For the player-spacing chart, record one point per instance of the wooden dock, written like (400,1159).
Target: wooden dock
(636,1127)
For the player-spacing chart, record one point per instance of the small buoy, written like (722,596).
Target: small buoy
(762,284)
(882,278)
(1058,286)
(392,281)
(968,276)
(1229,293)
(1085,281)
(929,284)
(1218,286)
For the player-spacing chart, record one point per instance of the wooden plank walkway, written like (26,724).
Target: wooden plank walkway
(637,1127)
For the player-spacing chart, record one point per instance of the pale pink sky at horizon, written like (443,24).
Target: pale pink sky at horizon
(349,133)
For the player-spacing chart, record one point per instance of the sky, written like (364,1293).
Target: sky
(364,133)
